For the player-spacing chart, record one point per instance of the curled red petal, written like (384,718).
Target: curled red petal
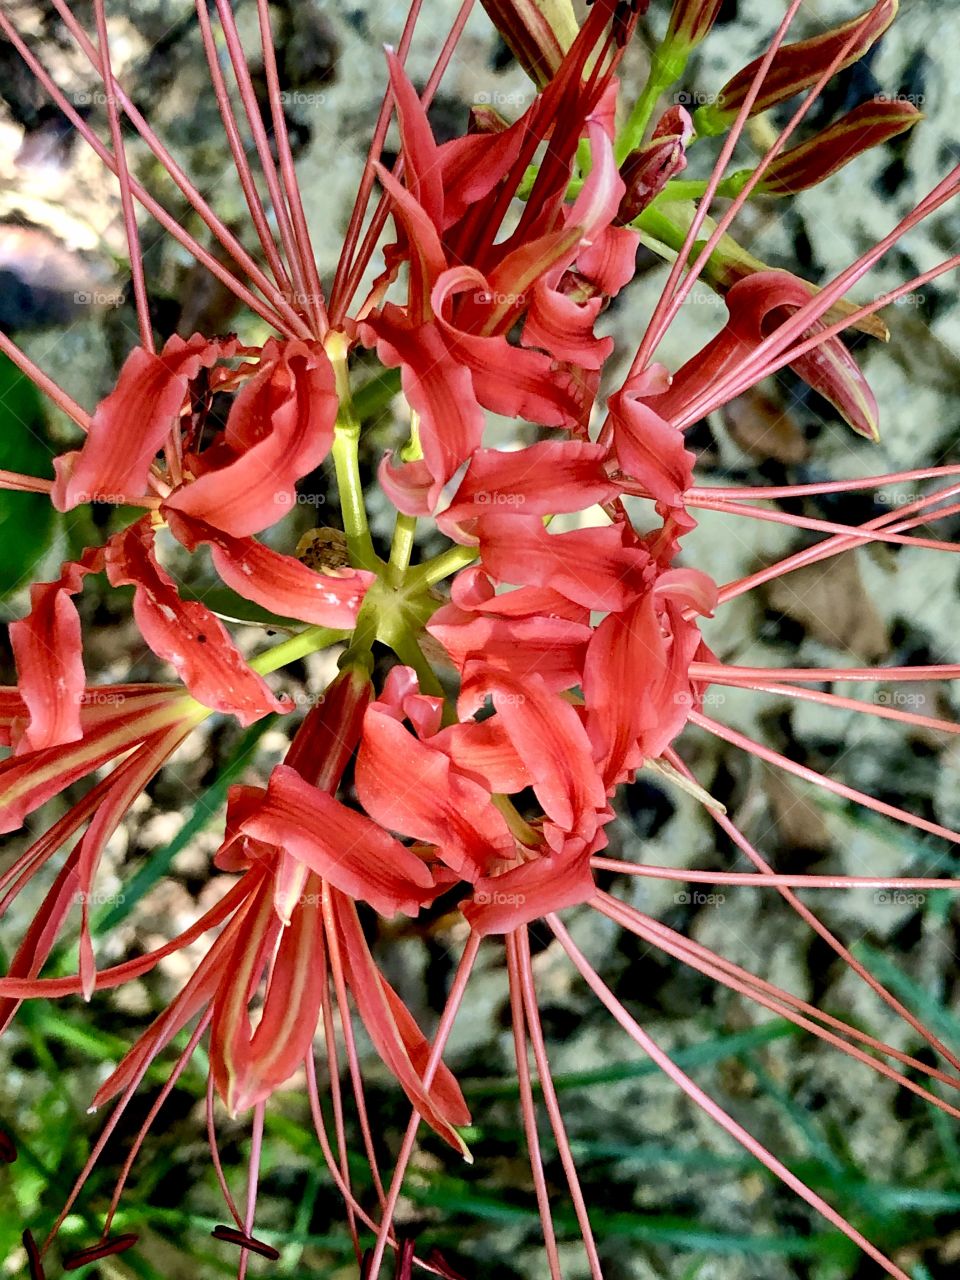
(551,476)
(280,428)
(549,883)
(345,847)
(593,567)
(129,427)
(276,581)
(185,633)
(48,650)
(410,786)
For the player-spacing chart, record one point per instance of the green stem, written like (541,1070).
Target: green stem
(405,529)
(405,646)
(346,460)
(666,67)
(440,567)
(309,641)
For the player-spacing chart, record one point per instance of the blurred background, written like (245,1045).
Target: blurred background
(670,1195)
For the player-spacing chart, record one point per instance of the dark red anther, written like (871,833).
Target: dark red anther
(33,1256)
(442,1267)
(8,1152)
(404,1268)
(102,1249)
(232,1236)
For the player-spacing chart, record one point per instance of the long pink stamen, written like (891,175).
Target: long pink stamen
(719,503)
(41,381)
(531,1005)
(774,492)
(769,997)
(305,255)
(711,1108)
(752,880)
(368,177)
(123,174)
(658,321)
(737,739)
(251,109)
(720,674)
(893,521)
(152,1114)
(215,1156)
(176,172)
(528,1108)
(804,912)
(206,259)
(660,324)
(237,150)
(451,1008)
(350,1045)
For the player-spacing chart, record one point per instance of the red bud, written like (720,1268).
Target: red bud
(690,20)
(795,67)
(816,159)
(537,32)
(648,169)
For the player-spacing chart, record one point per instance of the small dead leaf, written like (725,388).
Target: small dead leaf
(831,602)
(763,428)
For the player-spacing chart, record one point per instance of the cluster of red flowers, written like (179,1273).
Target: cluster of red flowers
(577,654)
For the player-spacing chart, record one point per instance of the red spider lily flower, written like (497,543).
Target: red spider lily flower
(756,305)
(796,67)
(465,295)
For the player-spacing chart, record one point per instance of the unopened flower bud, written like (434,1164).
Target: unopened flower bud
(648,169)
(795,67)
(690,20)
(812,161)
(537,32)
